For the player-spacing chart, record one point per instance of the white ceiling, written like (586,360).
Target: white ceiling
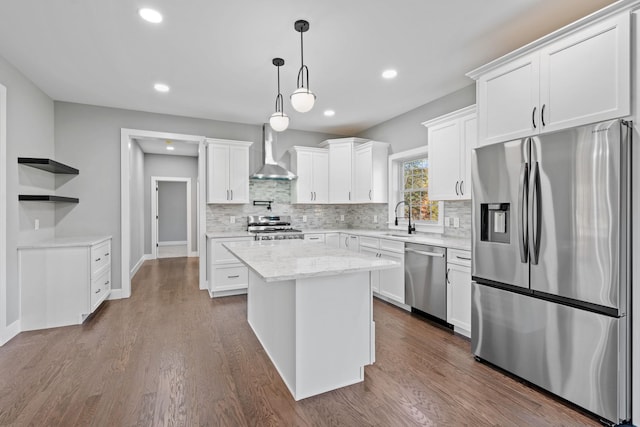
(159,146)
(216,55)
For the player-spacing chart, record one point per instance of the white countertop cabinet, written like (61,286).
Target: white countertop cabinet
(451,138)
(459,290)
(579,76)
(227,171)
(312,167)
(63,282)
(227,275)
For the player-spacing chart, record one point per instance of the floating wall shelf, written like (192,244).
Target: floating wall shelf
(46,198)
(48,165)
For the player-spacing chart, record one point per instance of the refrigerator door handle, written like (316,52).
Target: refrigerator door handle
(535,215)
(522,212)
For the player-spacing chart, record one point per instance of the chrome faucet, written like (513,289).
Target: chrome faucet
(412,228)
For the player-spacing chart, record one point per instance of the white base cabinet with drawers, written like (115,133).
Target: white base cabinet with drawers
(459,290)
(63,283)
(227,275)
(388,284)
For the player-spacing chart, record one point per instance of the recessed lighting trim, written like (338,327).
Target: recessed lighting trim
(150,15)
(329,113)
(170,148)
(161,87)
(389,74)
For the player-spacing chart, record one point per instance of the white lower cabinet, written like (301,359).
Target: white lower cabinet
(227,275)
(350,242)
(459,290)
(332,239)
(63,283)
(387,283)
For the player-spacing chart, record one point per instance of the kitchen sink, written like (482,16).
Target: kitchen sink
(404,236)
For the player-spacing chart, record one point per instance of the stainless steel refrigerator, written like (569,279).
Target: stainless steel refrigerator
(551,263)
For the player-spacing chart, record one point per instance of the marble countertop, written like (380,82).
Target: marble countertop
(65,242)
(277,260)
(399,235)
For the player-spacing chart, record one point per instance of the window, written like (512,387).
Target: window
(416,191)
(409,183)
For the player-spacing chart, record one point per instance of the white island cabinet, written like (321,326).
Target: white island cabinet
(311,307)
(63,281)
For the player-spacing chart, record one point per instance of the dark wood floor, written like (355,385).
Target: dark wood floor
(170,355)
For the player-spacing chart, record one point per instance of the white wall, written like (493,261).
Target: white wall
(30,133)
(172,212)
(173,167)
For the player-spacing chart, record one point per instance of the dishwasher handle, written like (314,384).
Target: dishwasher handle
(433,254)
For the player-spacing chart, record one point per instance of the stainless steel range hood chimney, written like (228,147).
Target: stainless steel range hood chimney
(271,169)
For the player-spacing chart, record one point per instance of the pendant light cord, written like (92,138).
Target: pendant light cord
(303,68)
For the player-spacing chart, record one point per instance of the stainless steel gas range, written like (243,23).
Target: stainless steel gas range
(272,227)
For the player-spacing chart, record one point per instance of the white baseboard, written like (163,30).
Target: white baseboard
(115,294)
(141,261)
(172,243)
(9,332)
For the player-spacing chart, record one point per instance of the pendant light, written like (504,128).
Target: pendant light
(279,121)
(302,99)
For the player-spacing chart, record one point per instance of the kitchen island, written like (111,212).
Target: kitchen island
(311,307)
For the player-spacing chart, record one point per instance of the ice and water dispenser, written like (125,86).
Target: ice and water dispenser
(495,222)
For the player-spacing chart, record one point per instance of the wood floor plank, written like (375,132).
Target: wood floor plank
(172,356)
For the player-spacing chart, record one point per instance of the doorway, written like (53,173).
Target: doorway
(170,217)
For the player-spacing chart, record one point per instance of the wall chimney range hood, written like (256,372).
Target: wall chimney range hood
(271,169)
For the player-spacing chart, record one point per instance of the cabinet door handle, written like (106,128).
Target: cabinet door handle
(107,254)
(106,283)
(463,257)
(98,291)
(227,194)
(542,115)
(231,194)
(369,194)
(457,183)
(349,195)
(314,238)
(314,196)
(461,188)
(533,117)
(233,277)
(447,276)
(97,259)
(346,241)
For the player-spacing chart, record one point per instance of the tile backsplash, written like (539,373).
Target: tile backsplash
(318,216)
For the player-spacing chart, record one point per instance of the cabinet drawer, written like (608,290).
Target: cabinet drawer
(100,256)
(368,242)
(230,278)
(392,246)
(459,257)
(318,237)
(100,287)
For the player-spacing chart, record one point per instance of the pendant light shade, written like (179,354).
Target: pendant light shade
(302,98)
(279,121)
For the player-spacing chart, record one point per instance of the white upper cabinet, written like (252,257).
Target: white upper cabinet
(578,75)
(227,171)
(451,139)
(357,170)
(312,167)
(371,172)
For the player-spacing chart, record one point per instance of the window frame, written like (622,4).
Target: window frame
(396,187)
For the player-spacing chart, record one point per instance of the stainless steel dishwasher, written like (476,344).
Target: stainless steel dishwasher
(425,281)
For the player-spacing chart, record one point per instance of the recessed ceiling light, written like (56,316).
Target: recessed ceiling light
(150,15)
(161,87)
(170,148)
(329,113)
(389,74)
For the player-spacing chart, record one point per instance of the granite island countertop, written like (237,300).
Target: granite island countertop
(278,260)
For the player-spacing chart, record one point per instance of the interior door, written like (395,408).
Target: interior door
(576,218)
(499,213)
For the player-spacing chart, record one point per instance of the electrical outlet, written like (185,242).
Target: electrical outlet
(304,218)
(232,219)
(36,224)
(342,218)
(447,221)
(375,219)
(456,222)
